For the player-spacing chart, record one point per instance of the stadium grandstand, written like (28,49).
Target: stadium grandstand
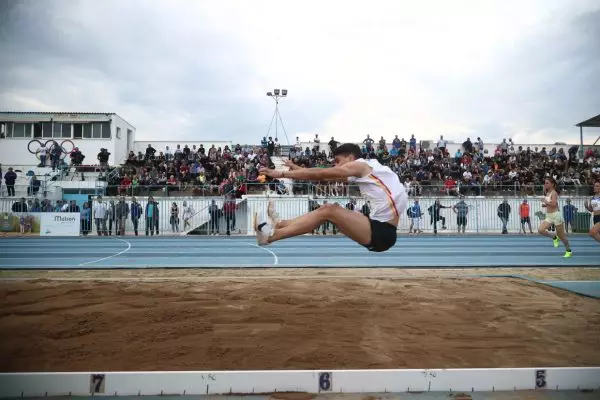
(66,161)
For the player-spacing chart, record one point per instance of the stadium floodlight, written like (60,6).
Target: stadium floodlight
(277,94)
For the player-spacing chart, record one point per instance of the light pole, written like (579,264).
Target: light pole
(276,95)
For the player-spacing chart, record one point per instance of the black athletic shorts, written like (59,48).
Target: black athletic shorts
(525,220)
(461,221)
(596,219)
(383,236)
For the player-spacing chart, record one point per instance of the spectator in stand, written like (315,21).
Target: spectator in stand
(152,216)
(461,209)
(504,215)
(85,219)
(56,153)
(111,216)
(413,144)
(468,146)
(150,151)
(215,213)
(121,213)
(125,185)
(47,206)
(414,213)
(351,205)
(103,159)
(188,213)
(435,215)
(77,157)
(174,219)
(34,186)
(368,142)
(270,147)
(136,213)
(366,209)
(171,184)
(20,206)
(36,207)
(100,214)
(43,153)
(569,211)
(524,214)
(229,209)
(333,144)
(73,207)
(442,144)
(10,178)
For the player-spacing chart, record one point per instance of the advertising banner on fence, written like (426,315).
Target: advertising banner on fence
(43,224)
(59,224)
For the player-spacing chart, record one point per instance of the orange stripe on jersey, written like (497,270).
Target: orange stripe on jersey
(387,191)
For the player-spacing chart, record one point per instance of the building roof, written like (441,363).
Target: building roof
(593,122)
(75,115)
(57,113)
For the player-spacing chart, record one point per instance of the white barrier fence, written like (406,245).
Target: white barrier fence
(482,214)
(337,381)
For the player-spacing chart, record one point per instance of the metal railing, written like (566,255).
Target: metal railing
(338,189)
(324,190)
(483,215)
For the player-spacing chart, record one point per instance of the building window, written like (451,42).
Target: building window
(87,131)
(105,130)
(96,131)
(47,129)
(8,129)
(37,130)
(66,131)
(21,130)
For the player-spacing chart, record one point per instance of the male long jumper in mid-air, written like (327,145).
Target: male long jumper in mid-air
(377,183)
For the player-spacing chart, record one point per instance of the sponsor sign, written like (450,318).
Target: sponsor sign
(59,224)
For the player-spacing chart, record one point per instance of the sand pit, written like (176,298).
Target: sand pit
(421,322)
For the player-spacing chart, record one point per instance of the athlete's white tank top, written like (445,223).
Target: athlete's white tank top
(595,203)
(384,191)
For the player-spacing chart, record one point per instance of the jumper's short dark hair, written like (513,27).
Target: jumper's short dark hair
(348,149)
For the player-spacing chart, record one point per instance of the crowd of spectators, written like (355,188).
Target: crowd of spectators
(197,170)
(471,169)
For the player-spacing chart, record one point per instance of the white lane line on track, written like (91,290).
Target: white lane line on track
(109,257)
(275,258)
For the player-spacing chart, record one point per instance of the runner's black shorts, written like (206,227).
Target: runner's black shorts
(461,221)
(525,220)
(596,219)
(383,236)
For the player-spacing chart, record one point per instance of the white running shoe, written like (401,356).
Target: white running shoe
(272,213)
(263,229)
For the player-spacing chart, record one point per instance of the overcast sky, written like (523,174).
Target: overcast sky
(199,70)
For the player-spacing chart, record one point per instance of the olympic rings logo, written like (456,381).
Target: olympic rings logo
(49,146)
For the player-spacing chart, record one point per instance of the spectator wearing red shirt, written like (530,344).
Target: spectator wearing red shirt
(184,169)
(450,186)
(171,184)
(125,185)
(229,210)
